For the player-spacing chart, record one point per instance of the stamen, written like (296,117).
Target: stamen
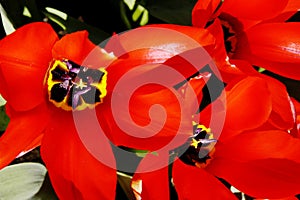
(200,147)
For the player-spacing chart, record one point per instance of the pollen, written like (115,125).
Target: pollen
(74,87)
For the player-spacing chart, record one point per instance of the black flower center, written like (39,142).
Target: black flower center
(231,28)
(200,147)
(75,87)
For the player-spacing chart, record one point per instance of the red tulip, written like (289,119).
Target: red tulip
(59,91)
(256,32)
(260,162)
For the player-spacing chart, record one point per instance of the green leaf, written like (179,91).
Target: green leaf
(46,192)
(71,25)
(35,13)
(21,181)
(171,11)
(14,11)
(4,119)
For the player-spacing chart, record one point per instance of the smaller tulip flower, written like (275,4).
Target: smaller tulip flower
(247,153)
(256,32)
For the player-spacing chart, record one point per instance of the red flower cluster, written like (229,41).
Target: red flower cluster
(251,142)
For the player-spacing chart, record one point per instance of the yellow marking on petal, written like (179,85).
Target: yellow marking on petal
(51,83)
(208,130)
(101,86)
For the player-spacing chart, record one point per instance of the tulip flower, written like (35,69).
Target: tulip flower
(261,161)
(55,87)
(255,31)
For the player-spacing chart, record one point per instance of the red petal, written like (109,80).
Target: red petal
(23,88)
(267,178)
(203,12)
(282,115)
(254,9)
(241,116)
(285,198)
(162,35)
(229,115)
(296,130)
(66,148)
(24,129)
(284,46)
(195,183)
(192,91)
(245,67)
(147,118)
(139,68)
(225,70)
(265,49)
(289,70)
(25,57)
(260,145)
(159,43)
(28,45)
(152,181)
(78,48)
(291,9)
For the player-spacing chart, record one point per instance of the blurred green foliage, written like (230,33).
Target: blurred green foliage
(4,119)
